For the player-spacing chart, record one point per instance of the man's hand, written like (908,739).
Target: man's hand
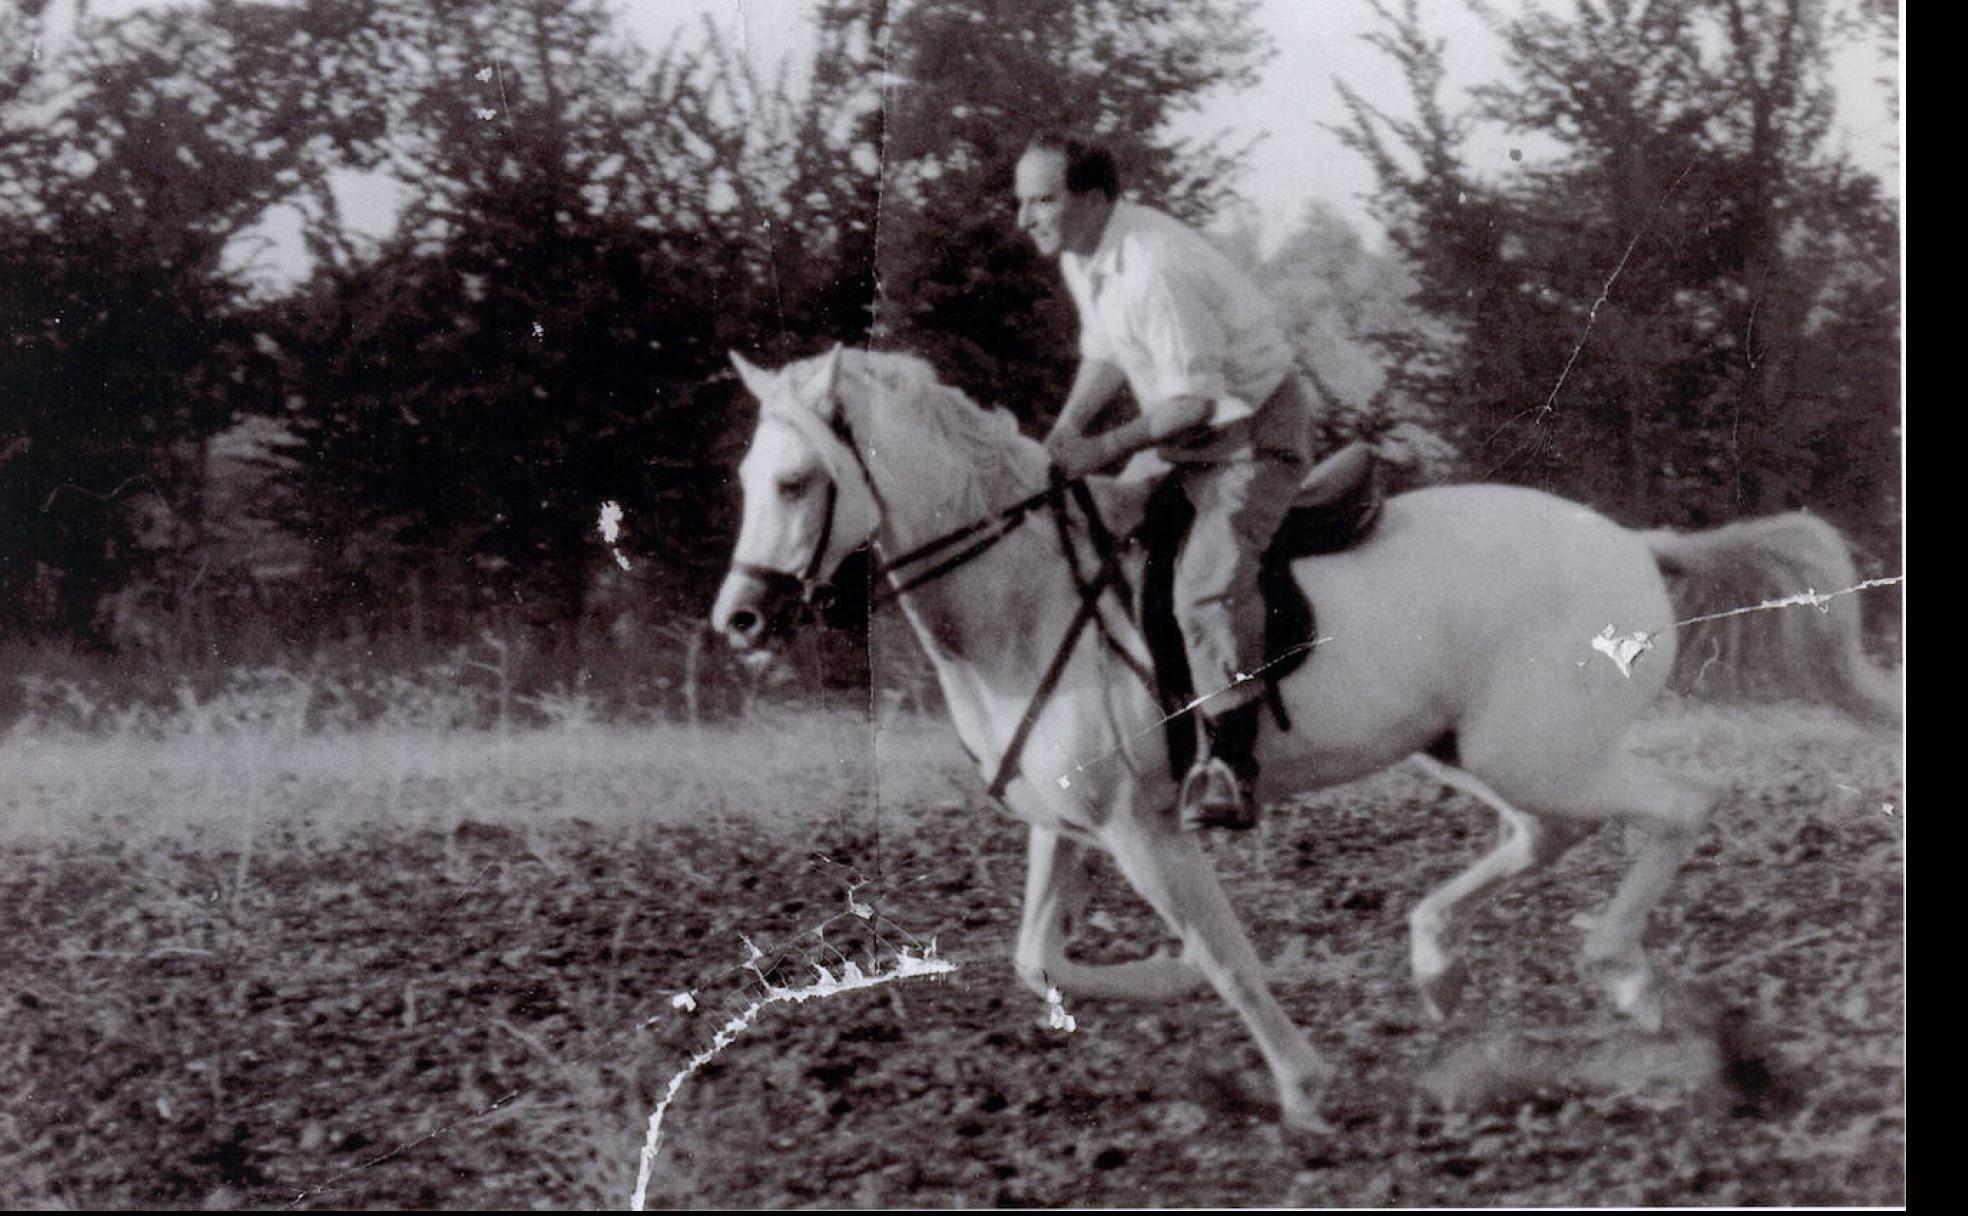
(1076,455)
(1073,453)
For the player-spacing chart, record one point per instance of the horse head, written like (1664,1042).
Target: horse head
(808,500)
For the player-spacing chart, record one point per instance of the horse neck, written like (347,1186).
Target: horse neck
(984,619)
(932,477)
(934,472)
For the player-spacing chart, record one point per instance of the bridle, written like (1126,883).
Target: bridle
(969,541)
(958,547)
(807,586)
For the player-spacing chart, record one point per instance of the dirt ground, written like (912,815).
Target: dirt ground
(381,978)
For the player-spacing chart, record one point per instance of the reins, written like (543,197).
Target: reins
(995,528)
(1108,574)
(969,542)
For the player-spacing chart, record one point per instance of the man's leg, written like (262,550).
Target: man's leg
(1239,505)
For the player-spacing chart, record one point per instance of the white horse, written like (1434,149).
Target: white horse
(1468,618)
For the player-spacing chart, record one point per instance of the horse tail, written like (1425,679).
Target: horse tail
(1810,648)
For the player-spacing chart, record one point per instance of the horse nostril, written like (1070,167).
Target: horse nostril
(744,622)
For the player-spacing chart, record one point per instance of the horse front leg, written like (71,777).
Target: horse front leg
(1055,902)
(1169,870)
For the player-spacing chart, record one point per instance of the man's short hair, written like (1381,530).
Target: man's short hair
(1089,166)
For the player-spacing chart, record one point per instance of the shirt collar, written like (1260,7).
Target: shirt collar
(1105,260)
(1106,256)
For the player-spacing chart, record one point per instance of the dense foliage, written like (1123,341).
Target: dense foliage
(228,415)
(1684,307)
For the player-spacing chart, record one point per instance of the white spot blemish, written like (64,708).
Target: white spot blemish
(684,1001)
(488,115)
(611,530)
(1065,782)
(1623,651)
(482,75)
(1056,1016)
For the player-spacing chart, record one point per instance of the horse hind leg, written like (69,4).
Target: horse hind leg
(1524,843)
(1668,812)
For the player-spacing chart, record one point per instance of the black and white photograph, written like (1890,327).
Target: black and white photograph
(926,604)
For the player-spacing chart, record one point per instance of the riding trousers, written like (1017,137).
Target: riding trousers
(1240,495)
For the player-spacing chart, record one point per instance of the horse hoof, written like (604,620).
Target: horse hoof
(1441,993)
(1647,1012)
(1636,996)
(1299,1103)
(1306,1120)
(1303,1116)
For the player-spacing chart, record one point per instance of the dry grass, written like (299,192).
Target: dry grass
(273,747)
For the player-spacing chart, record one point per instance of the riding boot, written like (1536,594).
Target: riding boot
(1219,791)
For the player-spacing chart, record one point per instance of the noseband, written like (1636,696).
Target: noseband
(807,586)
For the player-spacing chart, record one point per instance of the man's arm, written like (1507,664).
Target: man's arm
(1076,455)
(1169,315)
(1094,385)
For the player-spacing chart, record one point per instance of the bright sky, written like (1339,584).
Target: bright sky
(1319,42)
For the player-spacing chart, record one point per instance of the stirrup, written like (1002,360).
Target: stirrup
(1215,797)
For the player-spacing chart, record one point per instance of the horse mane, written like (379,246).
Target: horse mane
(961,456)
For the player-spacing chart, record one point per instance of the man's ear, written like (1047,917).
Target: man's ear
(758,382)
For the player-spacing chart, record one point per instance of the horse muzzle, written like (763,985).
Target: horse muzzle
(755,607)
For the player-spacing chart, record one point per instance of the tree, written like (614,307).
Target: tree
(127,170)
(529,345)
(782,180)
(585,231)
(1642,319)
(1339,299)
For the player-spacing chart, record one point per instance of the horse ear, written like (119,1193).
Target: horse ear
(825,401)
(830,374)
(758,381)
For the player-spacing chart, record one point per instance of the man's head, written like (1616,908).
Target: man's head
(1066,190)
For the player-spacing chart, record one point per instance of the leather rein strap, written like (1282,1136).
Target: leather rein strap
(1107,574)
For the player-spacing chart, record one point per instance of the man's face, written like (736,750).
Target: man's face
(1057,220)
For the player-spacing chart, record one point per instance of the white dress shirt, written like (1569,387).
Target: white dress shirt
(1177,317)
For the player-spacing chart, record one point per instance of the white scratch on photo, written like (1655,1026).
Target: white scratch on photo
(849,978)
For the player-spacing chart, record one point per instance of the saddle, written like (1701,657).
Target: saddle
(1337,506)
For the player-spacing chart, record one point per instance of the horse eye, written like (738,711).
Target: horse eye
(793,487)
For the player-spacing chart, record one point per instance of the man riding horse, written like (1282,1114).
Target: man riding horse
(1200,345)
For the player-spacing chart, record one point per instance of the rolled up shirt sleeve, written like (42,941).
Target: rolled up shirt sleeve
(1183,337)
